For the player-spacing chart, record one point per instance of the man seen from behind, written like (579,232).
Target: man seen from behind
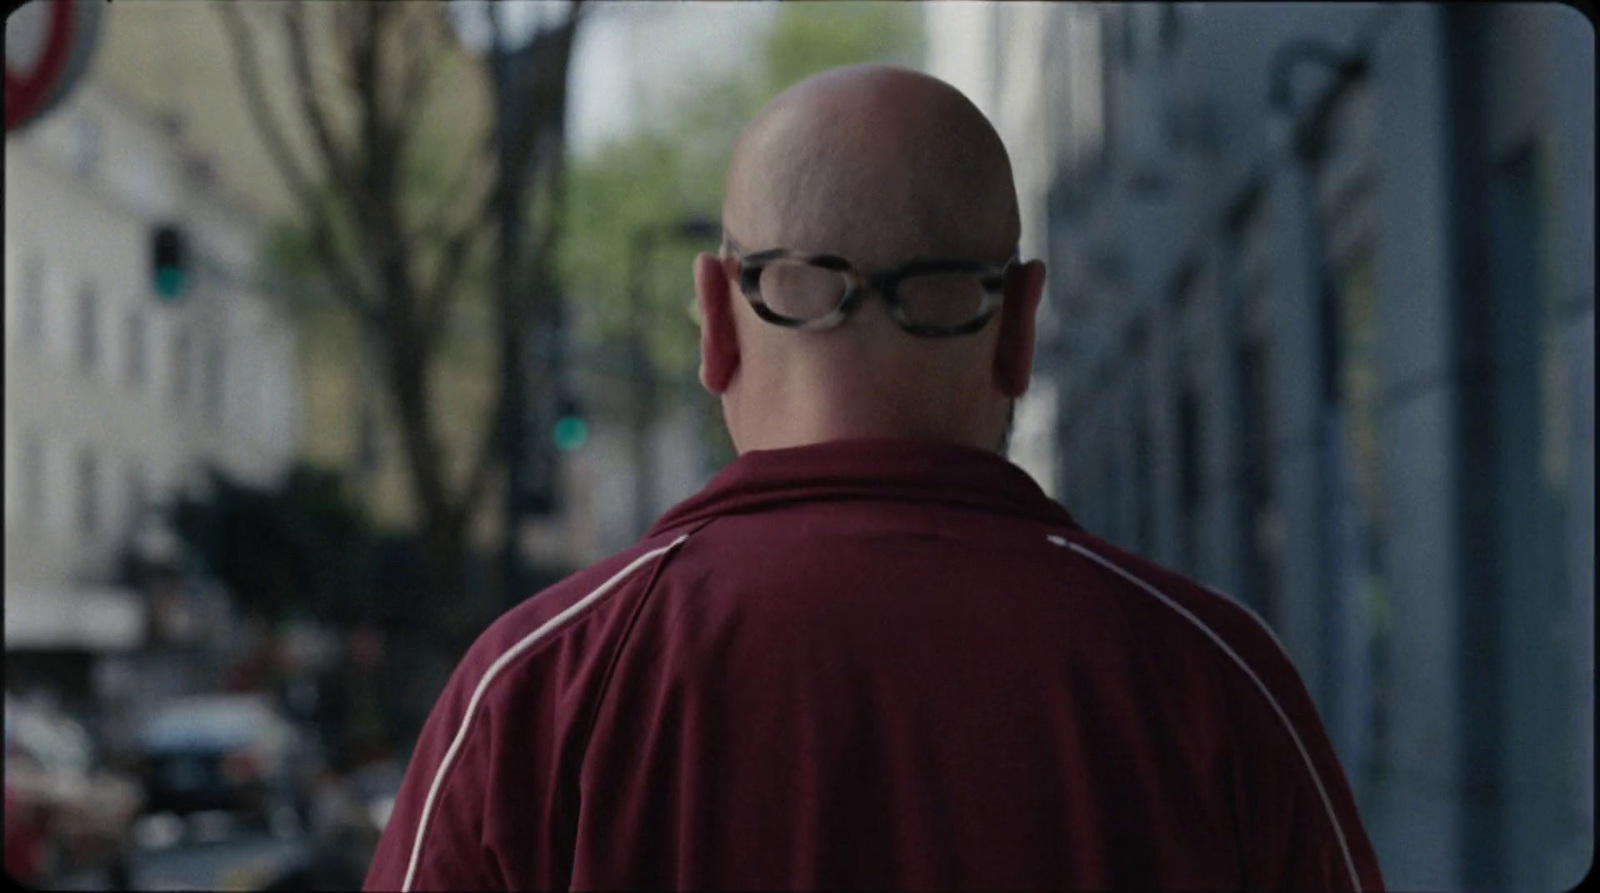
(871,653)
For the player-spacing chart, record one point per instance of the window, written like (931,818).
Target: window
(88,329)
(31,300)
(1142,525)
(1121,474)
(1143,462)
(1358,382)
(1533,362)
(1189,484)
(1354,525)
(134,356)
(1262,527)
(180,366)
(214,379)
(1127,25)
(1182,296)
(1359,521)
(33,482)
(1543,679)
(1105,484)
(1263,521)
(13,475)
(137,497)
(88,493)
(1169,28)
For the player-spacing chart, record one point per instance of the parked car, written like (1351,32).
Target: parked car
(65,812)
(347,819)
(235,754)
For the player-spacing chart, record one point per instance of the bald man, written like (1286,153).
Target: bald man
(871,653)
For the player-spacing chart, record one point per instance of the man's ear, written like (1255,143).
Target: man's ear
(1013,358)
(719,341)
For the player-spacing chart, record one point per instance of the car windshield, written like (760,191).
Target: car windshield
(209,723)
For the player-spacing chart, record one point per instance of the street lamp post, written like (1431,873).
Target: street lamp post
(508,127)
(514,45)
(643,245)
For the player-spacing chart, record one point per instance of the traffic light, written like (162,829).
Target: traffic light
(571,429)
(169,263)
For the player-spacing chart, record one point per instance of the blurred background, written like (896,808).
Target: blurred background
(333,330)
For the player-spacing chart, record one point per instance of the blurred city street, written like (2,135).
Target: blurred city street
(335,330)
(245,862)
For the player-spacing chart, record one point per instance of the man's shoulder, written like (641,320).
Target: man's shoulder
(599,592)
(576,590)
(1302,822)
(1230,629)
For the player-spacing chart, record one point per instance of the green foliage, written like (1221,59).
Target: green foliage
(812,37)
(291,263)
(674,171)
(292,268)
(291,548)
(629,188)
(444,140)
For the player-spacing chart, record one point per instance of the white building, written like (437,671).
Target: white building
(996,57)
(114,399)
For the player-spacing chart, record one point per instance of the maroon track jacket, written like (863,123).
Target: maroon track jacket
(875,664)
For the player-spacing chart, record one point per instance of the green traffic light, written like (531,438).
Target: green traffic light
(169,283)
(570,433)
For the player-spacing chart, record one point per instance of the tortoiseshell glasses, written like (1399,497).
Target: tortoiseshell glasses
(815,292)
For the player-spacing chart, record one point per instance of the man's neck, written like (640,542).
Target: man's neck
(779,440)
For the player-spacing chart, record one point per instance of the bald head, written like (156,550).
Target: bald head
(873,161)
(880,165)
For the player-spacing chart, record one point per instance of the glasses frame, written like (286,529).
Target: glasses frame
(885,283)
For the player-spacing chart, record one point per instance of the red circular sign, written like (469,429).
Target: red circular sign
(59,51)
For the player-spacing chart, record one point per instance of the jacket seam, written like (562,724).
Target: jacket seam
(593,718)
(445,773)
(1294,734)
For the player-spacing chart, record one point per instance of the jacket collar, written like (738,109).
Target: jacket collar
(905,470)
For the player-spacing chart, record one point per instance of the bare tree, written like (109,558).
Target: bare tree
(396,268)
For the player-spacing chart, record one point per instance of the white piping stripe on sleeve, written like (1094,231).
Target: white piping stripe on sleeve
(500,663)
(1265,626)
(1355,881)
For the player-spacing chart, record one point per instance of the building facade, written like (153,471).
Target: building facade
(114,399)
(1322,285)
